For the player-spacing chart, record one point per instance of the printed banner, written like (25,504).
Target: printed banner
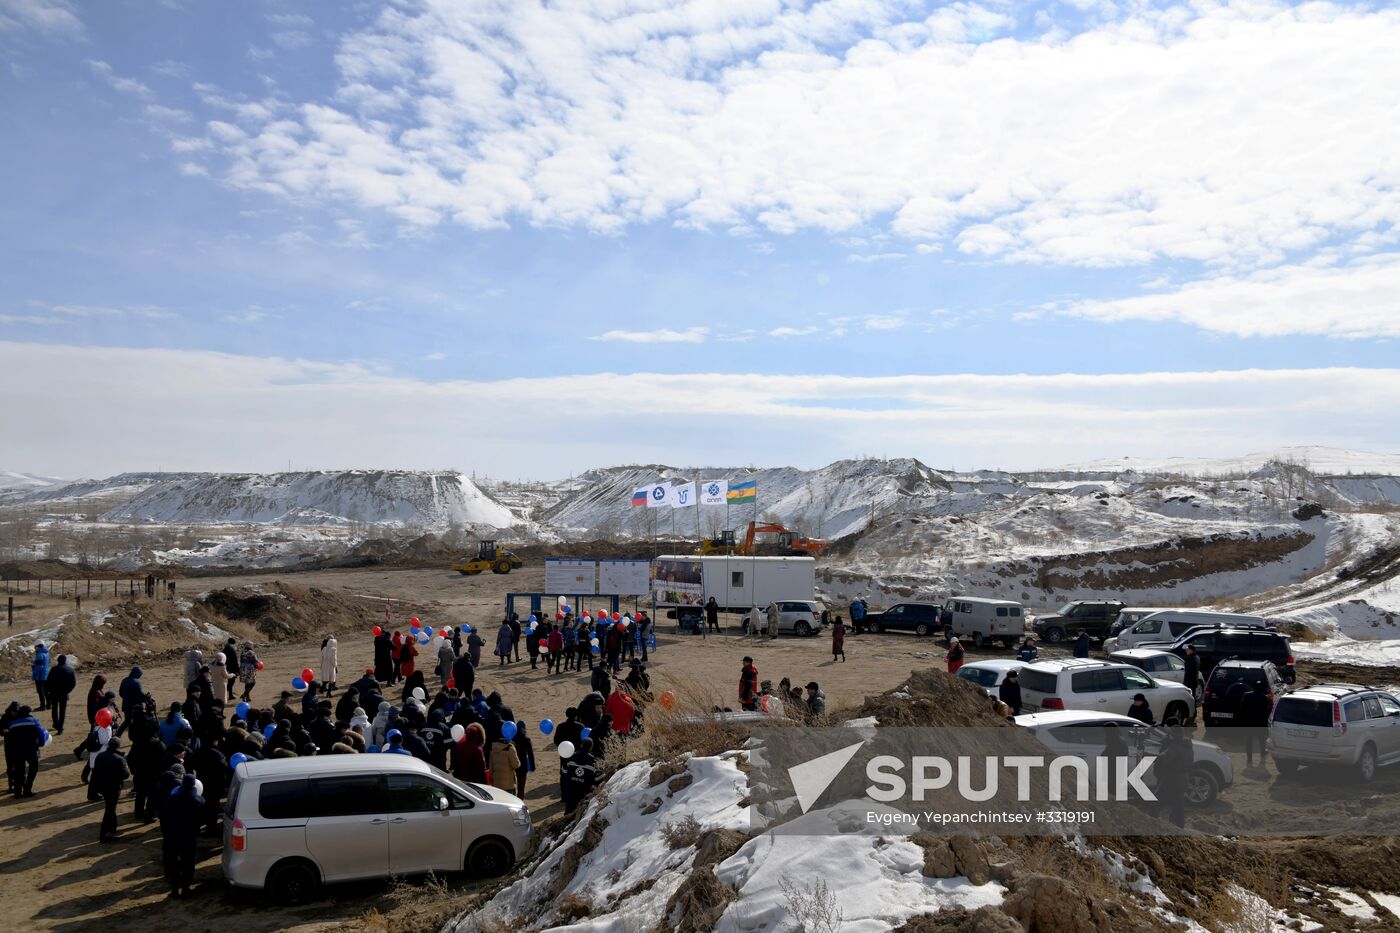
(570,577)
(659,496)
(714,492)
(678,582)
(624,577)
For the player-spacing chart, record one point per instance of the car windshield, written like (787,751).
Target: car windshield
(464,786)
(1066,609)
(978,675)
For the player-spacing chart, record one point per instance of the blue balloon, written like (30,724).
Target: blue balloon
(507,730)
(271,728)
(546,726)
(237,759)
(532,617)
(466,629)
(298,683)
(594,649)
(242,710)
(585,733)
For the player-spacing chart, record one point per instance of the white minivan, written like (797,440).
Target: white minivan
(984,620)
(292,824)
(1165,627)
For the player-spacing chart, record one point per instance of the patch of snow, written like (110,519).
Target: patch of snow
(1352,904)
(1389,901)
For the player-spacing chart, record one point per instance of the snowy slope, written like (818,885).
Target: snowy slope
(1323,461)
(430,500)
(26,482)
(120,487)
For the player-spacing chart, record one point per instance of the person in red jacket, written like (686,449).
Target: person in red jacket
(396,646)
(622,709)
(748,685)
(556,650)
(407,653)
(955,655)
(469,757)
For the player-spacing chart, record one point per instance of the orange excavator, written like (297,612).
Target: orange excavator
(788,541)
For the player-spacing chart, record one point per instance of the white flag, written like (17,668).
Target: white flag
(714,492)
(683,495)
(659,496)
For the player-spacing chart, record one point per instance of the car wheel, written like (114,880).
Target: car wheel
(489,858)
(1202,787)
(292,883)
(922,629)
(1176,714)
(1286,766)
(978,641)
(874,628)
(802,628)
(1366,764)
(1054,636)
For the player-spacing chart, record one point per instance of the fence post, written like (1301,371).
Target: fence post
(11,612)
(78,607)
(89,587)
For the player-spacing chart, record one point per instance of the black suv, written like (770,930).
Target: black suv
(1214,645)
(1094,616)
(1229,682)
(919,618)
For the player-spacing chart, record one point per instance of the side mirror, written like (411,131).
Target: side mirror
(442,804)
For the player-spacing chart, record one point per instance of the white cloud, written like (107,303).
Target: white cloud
(51,17)
(435,357)
(253,314)
(664,335)
(221,411)
(117,82)
(784,332)
(874,257)
(76,311)
(885,321)
(1356,301)
(1225,133)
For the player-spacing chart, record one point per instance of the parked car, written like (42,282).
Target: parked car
(1129,616)
(795,617)
(293,824)
(1214,645)
(1230,681)
(1166,626)
(1081,733)
(988,674)
(1162,665)
(984,620)
(919,618)
(1340,724)
(1103,686)
(1090,615)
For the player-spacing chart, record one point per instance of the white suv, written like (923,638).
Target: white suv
(1084,684)
(796,617)
(1343,724)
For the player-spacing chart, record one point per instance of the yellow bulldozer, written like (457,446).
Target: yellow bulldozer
(489,557)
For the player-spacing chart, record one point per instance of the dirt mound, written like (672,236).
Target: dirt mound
(933,698)
(56,570)
(962,920)
(285,612)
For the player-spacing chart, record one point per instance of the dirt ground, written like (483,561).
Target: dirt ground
(55,875)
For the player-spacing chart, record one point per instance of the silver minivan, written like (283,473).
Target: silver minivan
(292,824)
(1167,625)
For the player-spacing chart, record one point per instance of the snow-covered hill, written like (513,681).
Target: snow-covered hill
(1321,461)
(393,498)
(26,482)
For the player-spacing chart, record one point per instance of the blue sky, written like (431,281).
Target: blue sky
(469,228)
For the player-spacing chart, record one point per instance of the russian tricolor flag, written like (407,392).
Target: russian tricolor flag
(640,496)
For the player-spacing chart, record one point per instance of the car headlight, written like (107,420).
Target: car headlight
(520,816)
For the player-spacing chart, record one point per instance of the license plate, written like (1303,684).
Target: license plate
(1223,715)
(1303,733)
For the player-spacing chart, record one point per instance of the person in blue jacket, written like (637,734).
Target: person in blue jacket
(1081,645)
(857,615)
(395,744)
(131,693)
(1028,652)
(41,674)
(23,739)
(180,817)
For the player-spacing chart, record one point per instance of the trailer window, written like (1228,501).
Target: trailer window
(736,578)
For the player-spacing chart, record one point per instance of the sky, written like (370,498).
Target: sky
(529,238)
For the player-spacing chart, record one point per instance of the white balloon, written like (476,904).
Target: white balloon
(199,787)
(418,694)
(566,749)
(544,649)
(458,731)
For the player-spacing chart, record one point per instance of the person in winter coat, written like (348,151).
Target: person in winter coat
(577,775)
(623,709)
(1027,652)
(379,729)
(474,645)
(171,725)
(394,744)
(505,762)
(526,750)
(383,658)
(330,663)
(96,697)
(1141,710)
(194,660)
(772,620)
(109,773)
(145,760)
(516,630)
(712,615)
(468,758)
(395,658)
(39,671)
(218,675)
(96,744)
(24,737)
(61,684)
(570,730)
(838,639)
(130,691)
(1192,675)
(230,654)
(248,664)
(555,662)
(505,641)
(1173,769)
(748,685)
(1081,645)
(532,642)
(858,615)
(954,656)
(464,674)
(816,702)
(407,652)
(1255,707)
(446,657)
(1010,692)
(181,814)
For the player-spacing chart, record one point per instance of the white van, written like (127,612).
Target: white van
(984,620)
(292,824)
(1166,626)
(1130,615)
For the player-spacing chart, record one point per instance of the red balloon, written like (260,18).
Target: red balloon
(307,674)
(443,633)
(668,699)
(622,626)
(259,665)
(451,682)
(414,622)
(104,717)
(616,616)
(558,616)
(378,631)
